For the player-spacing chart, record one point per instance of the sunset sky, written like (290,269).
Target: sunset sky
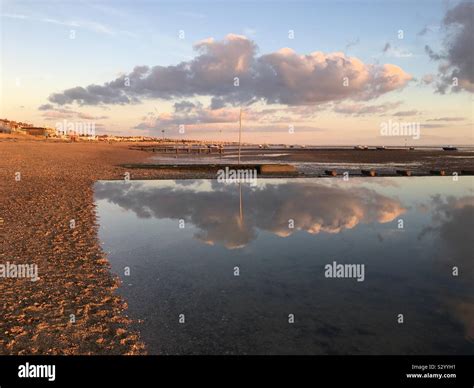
(322,73)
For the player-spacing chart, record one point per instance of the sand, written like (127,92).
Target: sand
(55,187)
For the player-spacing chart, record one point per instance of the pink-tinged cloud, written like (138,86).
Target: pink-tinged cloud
(282,77)
(194,114)
(50,113)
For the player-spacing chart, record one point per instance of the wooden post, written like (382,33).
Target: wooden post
(404,172)
(368,172)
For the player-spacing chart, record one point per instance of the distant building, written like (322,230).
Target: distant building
(39,131)
(5,126)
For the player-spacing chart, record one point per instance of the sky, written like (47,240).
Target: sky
(319,72)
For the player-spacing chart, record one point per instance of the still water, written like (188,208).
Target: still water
(214,268)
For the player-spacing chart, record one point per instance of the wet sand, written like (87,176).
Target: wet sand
(56,186)
(315,162)
(421,160)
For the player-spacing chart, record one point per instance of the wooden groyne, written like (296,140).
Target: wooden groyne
(289,170)
(262,169)
(331,172)
(181,149)
(368,172)
(403,172)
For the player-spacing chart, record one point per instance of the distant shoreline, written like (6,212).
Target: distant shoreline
(158,142)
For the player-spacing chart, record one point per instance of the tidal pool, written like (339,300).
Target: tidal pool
(215,268)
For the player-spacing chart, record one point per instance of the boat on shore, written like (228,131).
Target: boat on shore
(450,148)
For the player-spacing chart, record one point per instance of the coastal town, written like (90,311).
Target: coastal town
(73,132)
(11,127)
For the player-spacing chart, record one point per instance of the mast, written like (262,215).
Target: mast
(240,130)
(241,213)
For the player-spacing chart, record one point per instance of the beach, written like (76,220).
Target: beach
(49,219)
(55,187)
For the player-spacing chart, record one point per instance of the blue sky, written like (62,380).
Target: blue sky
(326,26)
(113,37)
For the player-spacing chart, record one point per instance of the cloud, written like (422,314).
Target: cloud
(427,79)
(52,113)
(351,44)
(453,222)
(46,107)
(190,116)
(452,227)
(184,106)
(395,51)
(424,31)
(432,54)
(14,16)
(282,77)
(194,115)
(361,109)
(217,103)
(293,79)
(448,119)
(315,208)
(456,68)
(406,113)
(431,126)
(84,24)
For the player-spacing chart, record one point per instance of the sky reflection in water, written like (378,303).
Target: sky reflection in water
(190,270)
